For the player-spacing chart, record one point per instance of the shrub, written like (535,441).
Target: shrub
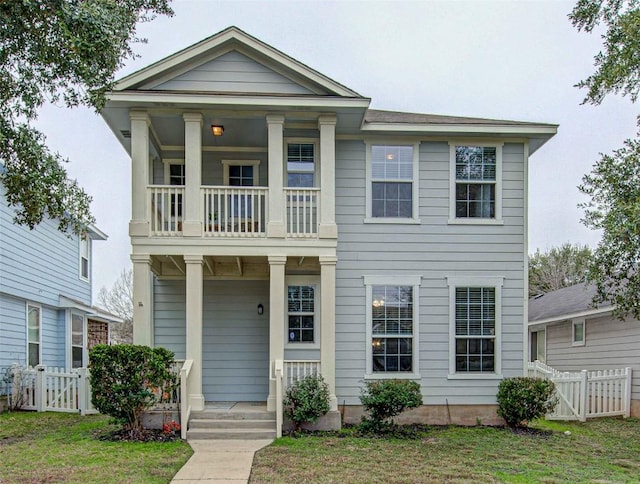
(522,399)
(306,400)
(384,399)
(124,380)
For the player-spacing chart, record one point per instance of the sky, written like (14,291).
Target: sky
(508,59)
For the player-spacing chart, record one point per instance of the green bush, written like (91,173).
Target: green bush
(384,399)
(306,400)
(125,380)
(522,399)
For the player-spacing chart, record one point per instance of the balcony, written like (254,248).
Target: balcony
(233,211)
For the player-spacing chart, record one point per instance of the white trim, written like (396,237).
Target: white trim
(227,163)
(415,183)
(69,338)
(304,280)
(463,128)
(564,317)
(461,280)
(316,158)
(497,219)
(39,308)
(376,280)
(82,242)
(526,346)
(574,323)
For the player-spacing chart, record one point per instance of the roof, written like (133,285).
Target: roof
(93,312)
(565,303)
(396,117)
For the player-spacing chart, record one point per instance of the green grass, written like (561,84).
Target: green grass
(62,447)
(602,451)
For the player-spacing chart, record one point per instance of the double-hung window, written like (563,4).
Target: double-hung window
(302,311)
(85,257)
(475,326)
(34,334)
(301,165)
(174,175)
(392,326)
(392,183)
(77,340)
(578,332)
(476,183)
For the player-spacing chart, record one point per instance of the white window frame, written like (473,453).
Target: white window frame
(544,343)
(84,241)
(497,220)
(69,340)
(415,189)
(28,341)
(409,280)
(484,282)
(578,322)
(256,170)
(316,160)
(303,281)
(167,173)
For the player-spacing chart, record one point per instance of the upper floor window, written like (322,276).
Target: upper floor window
(301,165)
(392,325)
(85,257)
(475,325)
(476,181)
(34,332)
(392,183)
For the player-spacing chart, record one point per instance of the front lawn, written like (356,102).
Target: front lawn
(603,450)
(62,447)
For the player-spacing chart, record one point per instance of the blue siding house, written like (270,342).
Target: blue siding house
(46,315)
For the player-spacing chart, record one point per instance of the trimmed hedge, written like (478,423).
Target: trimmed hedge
(522,399)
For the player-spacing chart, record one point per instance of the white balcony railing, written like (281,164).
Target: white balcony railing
(301,211)
(235,212)
(166,209)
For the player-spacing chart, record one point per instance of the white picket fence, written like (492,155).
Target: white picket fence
(46,389)
(587,394)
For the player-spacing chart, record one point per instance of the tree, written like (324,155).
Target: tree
(119,301)
(612,185)
(558,267)
(57,51)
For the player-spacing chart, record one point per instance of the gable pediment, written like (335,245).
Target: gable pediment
(233,62)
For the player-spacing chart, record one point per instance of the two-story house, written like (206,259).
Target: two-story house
(46,317)
(279,222)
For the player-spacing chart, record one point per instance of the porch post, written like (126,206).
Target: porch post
(276,320)
(328,325)
(192,223)
(142,330)
(275,224)
(328,227)
(139,225)
(194,328)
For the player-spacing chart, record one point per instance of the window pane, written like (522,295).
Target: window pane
(475,200)
(475,163)
(34,355)
(300,180)
(392,162)
(392,314)
(578,334)
(76,355)
(77,333)
(34,324)
(391,199)
(475,320)
(301,308)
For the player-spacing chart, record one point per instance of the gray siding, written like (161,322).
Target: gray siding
(169,316)
(434,250)
(233,72)
(609,344)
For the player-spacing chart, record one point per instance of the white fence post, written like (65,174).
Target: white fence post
(279,370)
(41,389)
(627,393)
(83,392)
(584,390)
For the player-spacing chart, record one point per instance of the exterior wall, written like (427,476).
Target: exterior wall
(435,250)
(233,72)
(169,324)
(609,344)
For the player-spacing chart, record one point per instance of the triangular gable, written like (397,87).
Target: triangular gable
(233,61)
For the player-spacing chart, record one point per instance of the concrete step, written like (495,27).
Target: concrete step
(210,423)
(230,434)
(236,415)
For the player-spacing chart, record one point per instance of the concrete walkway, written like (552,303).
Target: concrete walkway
(219,461)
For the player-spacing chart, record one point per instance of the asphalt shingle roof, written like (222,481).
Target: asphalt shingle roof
(395,117)
(565,301)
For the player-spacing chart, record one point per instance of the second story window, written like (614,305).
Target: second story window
(300,165)
(85,258)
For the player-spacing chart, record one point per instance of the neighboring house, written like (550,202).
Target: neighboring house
(276,217)
(46,315)
(567,333)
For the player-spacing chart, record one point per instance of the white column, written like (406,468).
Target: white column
(328,227)
(276,319)
(275,224)
(139,225)
(192,223)
(328,325)
(142,329)
(194,328)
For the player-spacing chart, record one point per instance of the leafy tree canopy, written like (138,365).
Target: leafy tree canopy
(58,51)
(613,184)
(558,267)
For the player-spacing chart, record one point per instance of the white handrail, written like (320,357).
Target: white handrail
(185,404)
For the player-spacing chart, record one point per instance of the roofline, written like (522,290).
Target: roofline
(563,317)
(95,233)
(231,34)
(66,302)
(532,129)
(235,99)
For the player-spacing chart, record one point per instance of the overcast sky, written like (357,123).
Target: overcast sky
(506,59)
